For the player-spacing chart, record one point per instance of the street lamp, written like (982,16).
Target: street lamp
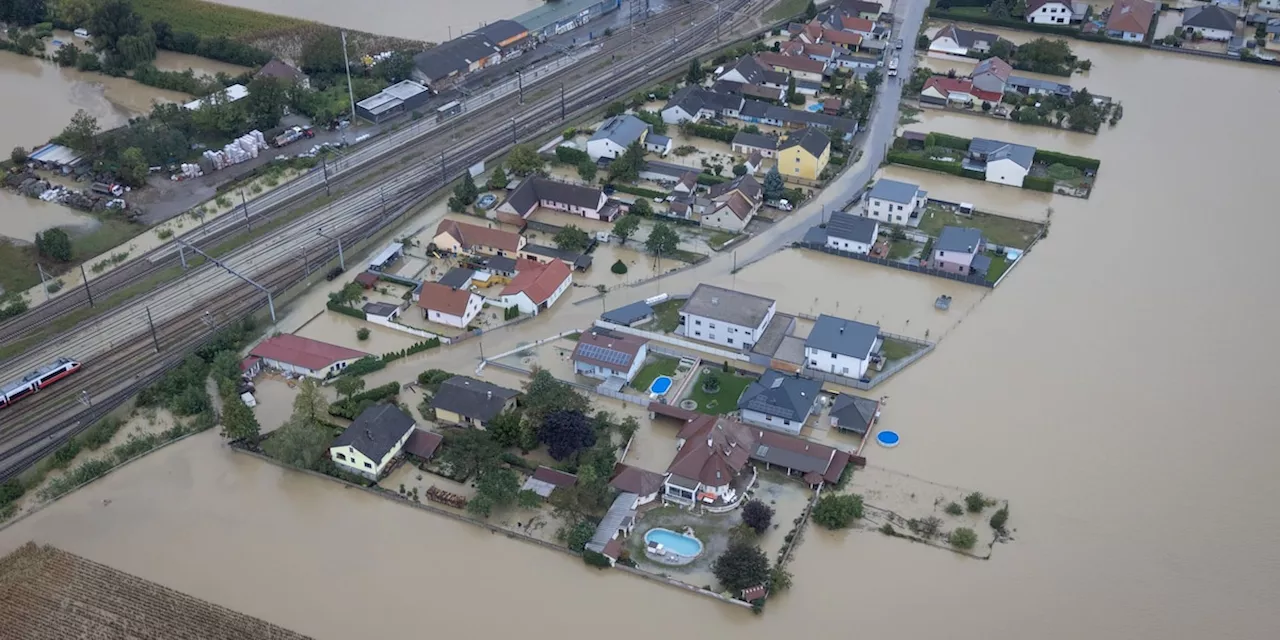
(342,261)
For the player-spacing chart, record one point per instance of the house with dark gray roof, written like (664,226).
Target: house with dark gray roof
(748,70)
(744,142)
(507,34)
(601,353)
(372,441)
(444,64)
(842,347)
(535,192)
(848,232)
(469,402)
(543,253)
(629,315)
(1002,162)
(779,401)
(1037,87)
(854,414)
(962,42)
(692,103)
(1211,21)
(619,132)
(896,202)
(725,317)
(960,250)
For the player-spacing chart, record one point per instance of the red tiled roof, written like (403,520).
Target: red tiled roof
(639,481)
(842,37)
(715,452)
(613,548)
(470,235)
(538,281)
(423,443)
(443,298)
(367,279)
(303,352)
(248,363)
(755,593)
(554,477)
(989,96)
(1131,16)
(794,63)
(947,85)
(854,23)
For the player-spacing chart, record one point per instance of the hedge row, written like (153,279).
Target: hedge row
(711,132)
(350,408)
(639,191)
(1008,23)
(345,310)
(936,139)
(1038,184)
(913,160)
(1079,162)
(367,364)
(417,347)
(571,156)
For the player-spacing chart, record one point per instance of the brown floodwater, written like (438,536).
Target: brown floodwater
(1117,397)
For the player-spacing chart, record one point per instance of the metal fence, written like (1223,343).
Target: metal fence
(905,266)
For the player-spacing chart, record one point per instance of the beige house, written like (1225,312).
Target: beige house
(459,237)
(368,446)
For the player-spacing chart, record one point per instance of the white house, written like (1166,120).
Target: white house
(1048,12)
(733,204)
(851,233)
(615,135)
(645,484)
(303,356)
(896,202)
(710,466)
(798,67)
(537,285)
(588,202)
(445,305)
(779,401)
(839,346)
(961,42)
(1210,21)
(1002,162)
(729,318)
(372,441)
(693,103)
(604,354)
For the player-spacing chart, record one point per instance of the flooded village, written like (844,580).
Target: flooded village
(686,340)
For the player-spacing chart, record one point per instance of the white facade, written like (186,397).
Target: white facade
(1006,171)
(598,371)
(677,114)
(896,212)
(349,459)
(724,218)
(725,333)
(744,149)
(604,148)
(528,306)
(474,304)
(838,364)
(318,374)
(946,44)
(771,422)
(1270,5)
(1221,35)
(852,246)
(1051,13)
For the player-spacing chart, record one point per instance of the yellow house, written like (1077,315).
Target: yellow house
(470,402)
(804,154)
(462,238)
(368,446)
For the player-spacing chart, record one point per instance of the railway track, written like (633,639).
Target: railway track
(357,164)
(278,263)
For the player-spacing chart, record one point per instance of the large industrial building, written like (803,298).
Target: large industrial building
(555,18)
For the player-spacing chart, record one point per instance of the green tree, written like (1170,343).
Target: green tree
(662,241)
(1000,519)
(298,443)
(739,170)
(133,167)
(627,167)
(1019,9)
(873,79)
(922,42)
(18,155)
(470,452)
(524,160)
(614,109)
(225,370)
(113,20)
(1003,49)
(1084,118)
(348,386)
(963,538)
(586,499)
(73,12)
(506,428)
(975,502)
(628,224)
(835,511)
(810,10)
(757,515)
(579,535)
(545,395)
(79,134)
(496,487)
(640,207)
(571,238)
(741,566)
(1043,55)
(587,170)
(66,55)
(323,53)
(773,185)
(266,101)
(22,13)
(654,120)
(619,267)
(792,96)
(395,68)
(566,433)
(696,74)
(238,421)
(998,9)
(310,406)
(466,192)
(54,243)
(498,179)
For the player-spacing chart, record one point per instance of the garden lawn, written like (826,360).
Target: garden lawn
(999,265)
(897,349)
(720,238)
(785,9)
(661,366)
(723,401)
(1006,232)
(667,314)
(901,249)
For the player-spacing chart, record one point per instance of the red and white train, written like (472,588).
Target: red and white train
(37,380)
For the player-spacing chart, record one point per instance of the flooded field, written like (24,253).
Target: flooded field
(1070,391)
(402,18)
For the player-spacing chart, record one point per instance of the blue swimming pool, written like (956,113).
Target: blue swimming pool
(814,108)
(679,544)
(660,385)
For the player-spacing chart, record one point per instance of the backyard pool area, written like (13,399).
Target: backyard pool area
(660,386)
(668,547)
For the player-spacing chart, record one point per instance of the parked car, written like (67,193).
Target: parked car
(897,44)
(333,273)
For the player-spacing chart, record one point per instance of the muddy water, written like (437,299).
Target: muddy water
(433,22)
(1114,391)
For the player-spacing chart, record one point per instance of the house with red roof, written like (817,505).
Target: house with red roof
(305,357)
(943,90)
(798,67)
(446,305)
(1130,20)
(471,239)
(537,285)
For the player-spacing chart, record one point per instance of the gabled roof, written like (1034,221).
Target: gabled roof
(277,68)
(375,431)
(457,278)
(454,56)
(435,296)
(854,23)
(895,191)
(1209,17)
(846,38)
(859,6)
(1020,82)
(854,413)
(538,281)
(500,30)
(736,307)
(545,480)
(793,452)
(793,63)
(534,190)
(382,309)
(998,150)
(622,130)
(746,185)
(850,227)
(423,443)
(993,66)
(303,352)
(471,235)
(1131,16)
(472,398)
(965,37)
(778,394)
(693,99)
(738,205)
(843,337)
(715,452)
(608,349)
(1032,5)
(636,480)
(574,259)
(958,239)
(755,73)
(813,141)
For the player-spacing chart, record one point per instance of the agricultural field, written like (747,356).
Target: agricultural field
(211,20)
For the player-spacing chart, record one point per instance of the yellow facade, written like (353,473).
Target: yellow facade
(796,162)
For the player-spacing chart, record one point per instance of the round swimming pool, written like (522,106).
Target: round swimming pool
(660,385)
(675,548)
(888,439)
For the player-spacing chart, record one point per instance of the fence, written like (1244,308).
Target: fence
(683,344)
(905,266)
(626,397)
(845,381)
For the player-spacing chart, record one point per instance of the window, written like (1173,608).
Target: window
(698,322)
(730,340)
(813,362)
(833,356)
(341,457)
(368,466)
(786,422)
(697,333)
(711,325)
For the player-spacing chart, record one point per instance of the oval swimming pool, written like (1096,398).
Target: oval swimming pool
(660,385)
(676,543)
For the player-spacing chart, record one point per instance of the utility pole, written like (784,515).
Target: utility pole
(520,85)
(150,323)
(270,301)
(324,165)
(182,255)
(87,292)
(351,94)
(244,203)
(342,261)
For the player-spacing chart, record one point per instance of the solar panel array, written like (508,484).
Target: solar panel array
(602,354)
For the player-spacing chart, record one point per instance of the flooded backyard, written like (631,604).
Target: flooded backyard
(1064,392)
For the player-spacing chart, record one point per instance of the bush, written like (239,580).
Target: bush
(1035,183)
(954,509)
(510,313)
(618,267)
(708,180)
(710,131)
(639,191)
(365,365)
(757,515)
(962,538)
(975,502)
(571,156)
(1000,518)
(362,333)
(345,310)
(598,560)
(1079,162)
(936,139)
(914,160)
(835,511)
(423,346)
(432,378)
(350,408)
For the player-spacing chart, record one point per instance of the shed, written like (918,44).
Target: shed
(545,480)
(385,257)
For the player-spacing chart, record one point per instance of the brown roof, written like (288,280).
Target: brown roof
(1131,16)
(554,477)
(842,37)
(471,235)
(277,68)
(797,453)
(794,63)
(715,451)
(635,480)
(947,85)
(613,548)
(50,594)
(672,411)
(367,279)
(423,443)
(855,23)
(443,298)
(746,185)
(755,158)
(739,205)
(303,352)
(594,347)
(536,280)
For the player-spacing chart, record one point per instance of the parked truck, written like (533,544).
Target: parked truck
(293,134)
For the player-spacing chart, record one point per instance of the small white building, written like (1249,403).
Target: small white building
(1211,22)
(537,285)
(854,234)
(646,485)
(615,135)
(445,305)
(896,202)
(839,346)
(305,357)
(961,42)
(1002,162)
(1048,12)
(376,437)
(605,354)
(725,317)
